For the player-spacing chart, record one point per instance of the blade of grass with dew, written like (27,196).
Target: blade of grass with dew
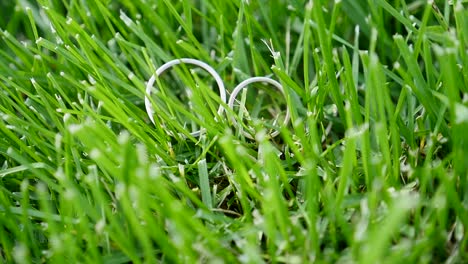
(85,176)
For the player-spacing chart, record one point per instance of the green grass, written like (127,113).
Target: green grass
(373,167)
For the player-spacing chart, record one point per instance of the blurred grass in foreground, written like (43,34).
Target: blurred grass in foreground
(373,168)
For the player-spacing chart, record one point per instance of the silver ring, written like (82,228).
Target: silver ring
(246,82)
(170,64)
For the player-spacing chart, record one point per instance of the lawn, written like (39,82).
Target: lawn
(372,166)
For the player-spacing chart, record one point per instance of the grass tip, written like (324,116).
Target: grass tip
(41,188)
(70,194)
(461,113)
(95,153)
(10,150)
(91,80)
(120,189)
(261,135)
(74,128)
(124,137)
(128,22)
(5,117)
(58,141)
(60,174)
(20,253)
(100,225)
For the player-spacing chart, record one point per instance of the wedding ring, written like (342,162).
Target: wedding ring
(170,64)
(243,85)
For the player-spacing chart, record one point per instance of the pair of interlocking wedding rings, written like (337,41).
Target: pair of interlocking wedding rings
(222,90)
